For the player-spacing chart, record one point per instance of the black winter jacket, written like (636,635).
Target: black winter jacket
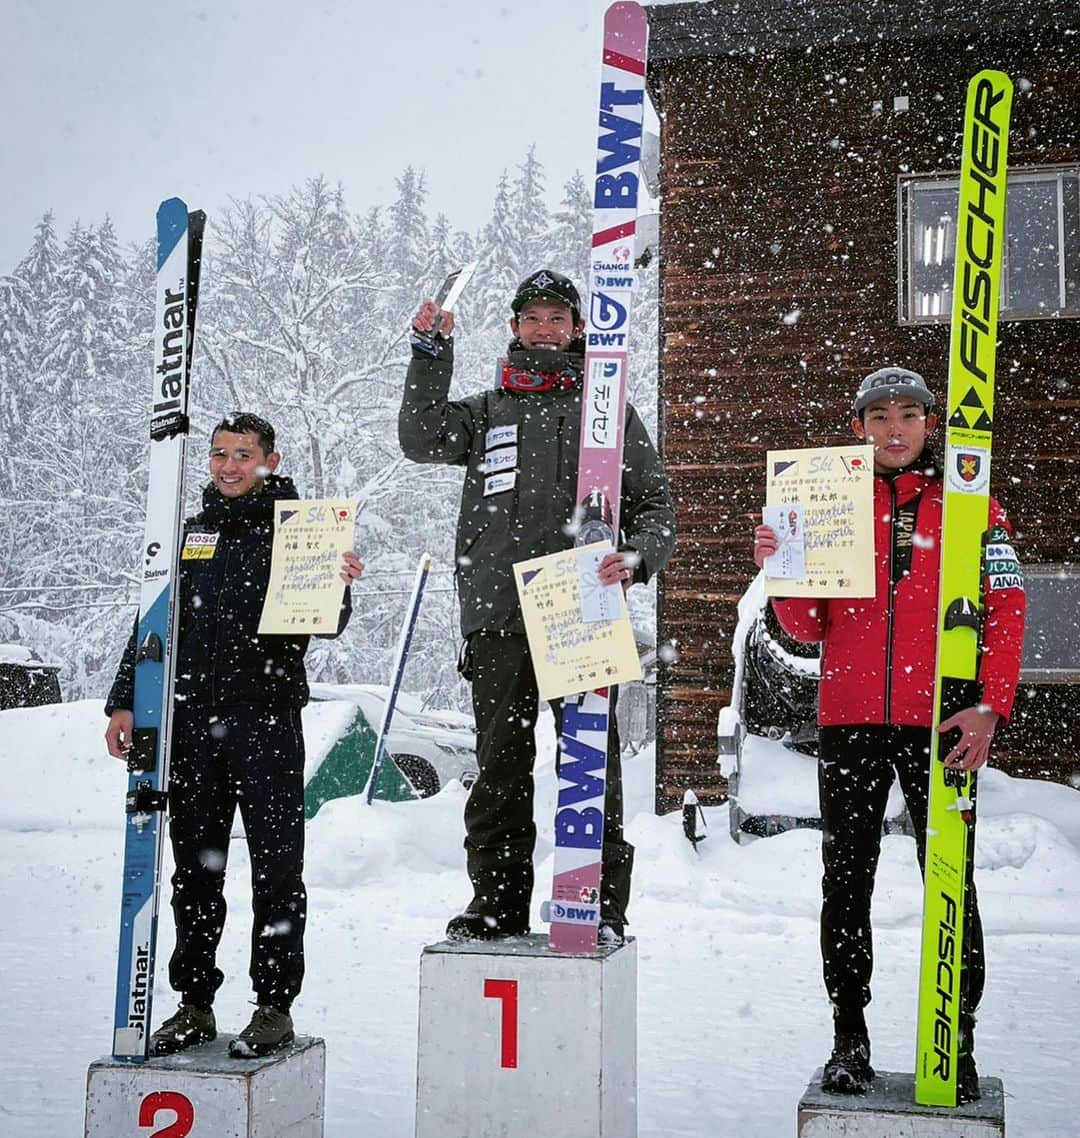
(221,660)
(520,451)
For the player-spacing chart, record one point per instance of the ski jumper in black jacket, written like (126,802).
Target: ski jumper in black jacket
(520,453)
(237,740)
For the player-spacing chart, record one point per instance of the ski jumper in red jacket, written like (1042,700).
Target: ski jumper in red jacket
(875,704)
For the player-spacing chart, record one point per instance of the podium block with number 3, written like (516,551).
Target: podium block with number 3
(515,1038)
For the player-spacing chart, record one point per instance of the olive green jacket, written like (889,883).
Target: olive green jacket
(520,453)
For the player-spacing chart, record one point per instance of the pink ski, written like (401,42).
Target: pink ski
(574,910)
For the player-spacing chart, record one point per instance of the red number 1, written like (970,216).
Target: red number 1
(158,1101)
(507,991)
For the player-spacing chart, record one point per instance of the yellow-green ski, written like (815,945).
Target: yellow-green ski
(950,835)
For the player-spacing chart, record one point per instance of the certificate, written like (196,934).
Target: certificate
(580,636)
(826,499)
(311,539)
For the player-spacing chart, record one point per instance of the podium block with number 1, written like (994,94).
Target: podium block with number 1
(515,1038)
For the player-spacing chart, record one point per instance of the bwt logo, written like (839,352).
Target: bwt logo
(574,914)
(605,313)
(581,776)
(613,282)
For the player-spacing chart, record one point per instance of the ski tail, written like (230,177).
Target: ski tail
(179,243)
(969,432)
(574,910)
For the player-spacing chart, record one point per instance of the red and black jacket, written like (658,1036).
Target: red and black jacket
(878,655)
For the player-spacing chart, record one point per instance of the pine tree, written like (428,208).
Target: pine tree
(410,246)
(39,268)
(16,373)
(500,260)
(569,239)
(530,213)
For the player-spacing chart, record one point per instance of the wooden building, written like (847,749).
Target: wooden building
(808,157)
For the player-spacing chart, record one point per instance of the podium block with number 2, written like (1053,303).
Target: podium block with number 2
(515,1038)
(203,1093)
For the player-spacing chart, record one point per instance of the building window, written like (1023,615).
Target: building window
(1041,272)
(1052,633)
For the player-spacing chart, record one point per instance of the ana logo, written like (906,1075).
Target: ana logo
(542,280)
(968,466)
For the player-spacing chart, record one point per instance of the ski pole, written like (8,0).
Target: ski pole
(404,641)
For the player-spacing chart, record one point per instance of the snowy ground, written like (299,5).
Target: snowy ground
(731,1019)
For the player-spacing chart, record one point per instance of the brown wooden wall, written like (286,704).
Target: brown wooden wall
(779,196)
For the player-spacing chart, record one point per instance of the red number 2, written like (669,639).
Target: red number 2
(155,1103)
(507,991)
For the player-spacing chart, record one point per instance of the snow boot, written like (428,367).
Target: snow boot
(268,1031)
(848,1071)
(187,1027)
(610,934)
(474,925)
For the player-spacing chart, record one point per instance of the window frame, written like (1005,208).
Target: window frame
(1039,610)
(905,241)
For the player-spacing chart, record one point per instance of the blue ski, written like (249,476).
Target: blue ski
(179,250)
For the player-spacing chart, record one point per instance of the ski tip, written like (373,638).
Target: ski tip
(425,560)
(689,798)
(173,207)
(629,23)
(172,224)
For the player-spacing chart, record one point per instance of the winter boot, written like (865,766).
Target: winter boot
(848,1071)
(610,934)
(187,1027)
(474,925)
(268,1031)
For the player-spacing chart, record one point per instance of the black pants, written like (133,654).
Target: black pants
(499,826)
(855,772)
(252,757)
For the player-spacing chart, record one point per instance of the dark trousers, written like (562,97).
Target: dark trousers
(252,757)
(500,831)
(855,772)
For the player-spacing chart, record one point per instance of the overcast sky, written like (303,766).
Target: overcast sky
(110,107)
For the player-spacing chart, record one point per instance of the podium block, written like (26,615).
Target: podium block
(515,1038)
(204,1093)
(889,1110)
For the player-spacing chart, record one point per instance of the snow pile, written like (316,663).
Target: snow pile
(15,654)
(732,1019)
